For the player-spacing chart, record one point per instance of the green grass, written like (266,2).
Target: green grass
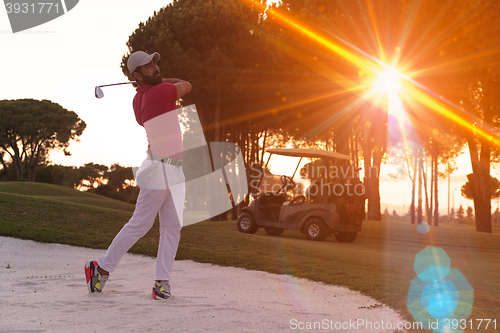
(378,264)
(61,193)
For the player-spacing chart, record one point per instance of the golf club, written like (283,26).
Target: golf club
(100,94)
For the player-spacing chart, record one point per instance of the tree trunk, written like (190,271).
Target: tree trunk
(342,146)
(483,224)
(33,173)
(234,213)
(373,190)
(351,145)
(436,199)
(419,165)
(27,167)
(355,157)
(217,114)
(33,162)
(371,177)
(247,147)
(413,188)
(374,213)
(482,204)
(5,168)
(263,147)
(427,208)
(18,163)
(254,143)
(480,184)
(432,190)
(367,165)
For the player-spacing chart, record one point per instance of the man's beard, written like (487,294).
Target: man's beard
(153,80)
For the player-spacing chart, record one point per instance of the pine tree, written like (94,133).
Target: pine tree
(460,214)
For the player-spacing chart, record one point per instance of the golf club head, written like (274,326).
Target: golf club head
(98,92)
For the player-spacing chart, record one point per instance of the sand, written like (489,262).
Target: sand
(43,289)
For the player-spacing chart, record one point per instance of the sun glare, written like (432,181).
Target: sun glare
(388,80)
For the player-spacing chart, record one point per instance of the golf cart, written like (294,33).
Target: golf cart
(330,205)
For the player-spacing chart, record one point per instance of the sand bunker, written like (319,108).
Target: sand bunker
(43,289)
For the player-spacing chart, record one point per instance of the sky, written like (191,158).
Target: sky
(63,60)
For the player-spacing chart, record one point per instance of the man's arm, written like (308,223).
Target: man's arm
(183,87)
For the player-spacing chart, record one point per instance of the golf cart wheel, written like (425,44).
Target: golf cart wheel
(274,231)
(346,237)
(316,230)
(246,223)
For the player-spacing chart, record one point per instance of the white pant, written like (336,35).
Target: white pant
(169,203)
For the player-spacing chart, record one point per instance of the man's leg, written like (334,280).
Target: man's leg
(170,230)
(148,204)
(170,224)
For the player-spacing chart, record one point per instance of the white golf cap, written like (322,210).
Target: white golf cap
(140,58)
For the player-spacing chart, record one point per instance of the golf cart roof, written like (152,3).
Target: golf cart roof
(310,153)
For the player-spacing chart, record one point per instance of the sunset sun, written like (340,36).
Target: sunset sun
(388,81)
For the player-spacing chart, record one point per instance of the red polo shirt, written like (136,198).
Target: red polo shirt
(155,109)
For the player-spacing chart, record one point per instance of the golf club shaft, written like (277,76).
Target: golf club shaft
(116,84)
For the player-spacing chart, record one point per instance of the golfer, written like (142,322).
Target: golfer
(160,178)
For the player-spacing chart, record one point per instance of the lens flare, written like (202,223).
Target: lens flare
(388,81)
(409,90)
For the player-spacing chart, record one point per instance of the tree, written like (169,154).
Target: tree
(470,213)
(465,28)
(225,49)
(250,90)
(333,88)
(118,185)
(214,45)
(460,214)
(59,175)
(29,129)
(93,173)
(374,143)
(471,82)
(494,189)
(496,216)
(444,149)
(117,176)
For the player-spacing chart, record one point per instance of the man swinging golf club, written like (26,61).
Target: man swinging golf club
(160,178)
